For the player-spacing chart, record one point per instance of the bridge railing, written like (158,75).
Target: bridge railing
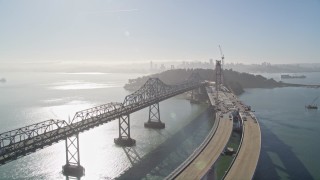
(12,139)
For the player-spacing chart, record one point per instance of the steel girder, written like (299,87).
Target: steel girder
(25,140)
(151,89)
(97,112)
(13,137)
(154,88)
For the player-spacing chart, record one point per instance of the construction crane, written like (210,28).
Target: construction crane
(222,57)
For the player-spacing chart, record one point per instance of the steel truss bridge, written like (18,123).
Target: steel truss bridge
(20,142)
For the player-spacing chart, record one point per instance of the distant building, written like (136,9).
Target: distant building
(151,65)
(162,67)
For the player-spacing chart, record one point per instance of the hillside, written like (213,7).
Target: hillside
(234,80)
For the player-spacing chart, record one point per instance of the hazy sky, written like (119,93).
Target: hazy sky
(249,31)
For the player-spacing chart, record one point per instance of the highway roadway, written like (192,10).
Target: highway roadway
(246,158)
(204,161)
(246,161)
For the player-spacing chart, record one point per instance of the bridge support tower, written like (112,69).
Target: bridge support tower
(154,121)
(219,79)
(124,138)
(195,95)
(73,167)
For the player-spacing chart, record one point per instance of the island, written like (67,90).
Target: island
(234,80)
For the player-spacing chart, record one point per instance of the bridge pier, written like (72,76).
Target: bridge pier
(198,95)
(154,121)
(194,96)
(124,138)
(73,167)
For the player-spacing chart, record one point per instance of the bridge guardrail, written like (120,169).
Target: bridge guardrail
(235,157)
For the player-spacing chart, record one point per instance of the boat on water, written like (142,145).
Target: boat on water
(313,105)
(286,76)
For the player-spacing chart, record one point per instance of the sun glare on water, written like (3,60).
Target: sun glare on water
(78,85)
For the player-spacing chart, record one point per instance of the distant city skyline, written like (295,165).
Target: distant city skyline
(249,31)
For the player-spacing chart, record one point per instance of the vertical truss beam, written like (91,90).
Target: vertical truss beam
(154,117)
(72,147)
(154,113)
(124,132)
(73,167)
(124,126)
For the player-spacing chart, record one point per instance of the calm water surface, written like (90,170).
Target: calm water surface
(290,133)
(28,98)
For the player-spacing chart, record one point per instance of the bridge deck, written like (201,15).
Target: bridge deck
(211,153)
(202,163)
(246,161)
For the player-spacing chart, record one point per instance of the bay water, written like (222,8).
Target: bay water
(32,97)
(290,132)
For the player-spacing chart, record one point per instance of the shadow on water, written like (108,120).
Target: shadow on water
(170,154)
(132,155)
(287,125)
(291,166)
